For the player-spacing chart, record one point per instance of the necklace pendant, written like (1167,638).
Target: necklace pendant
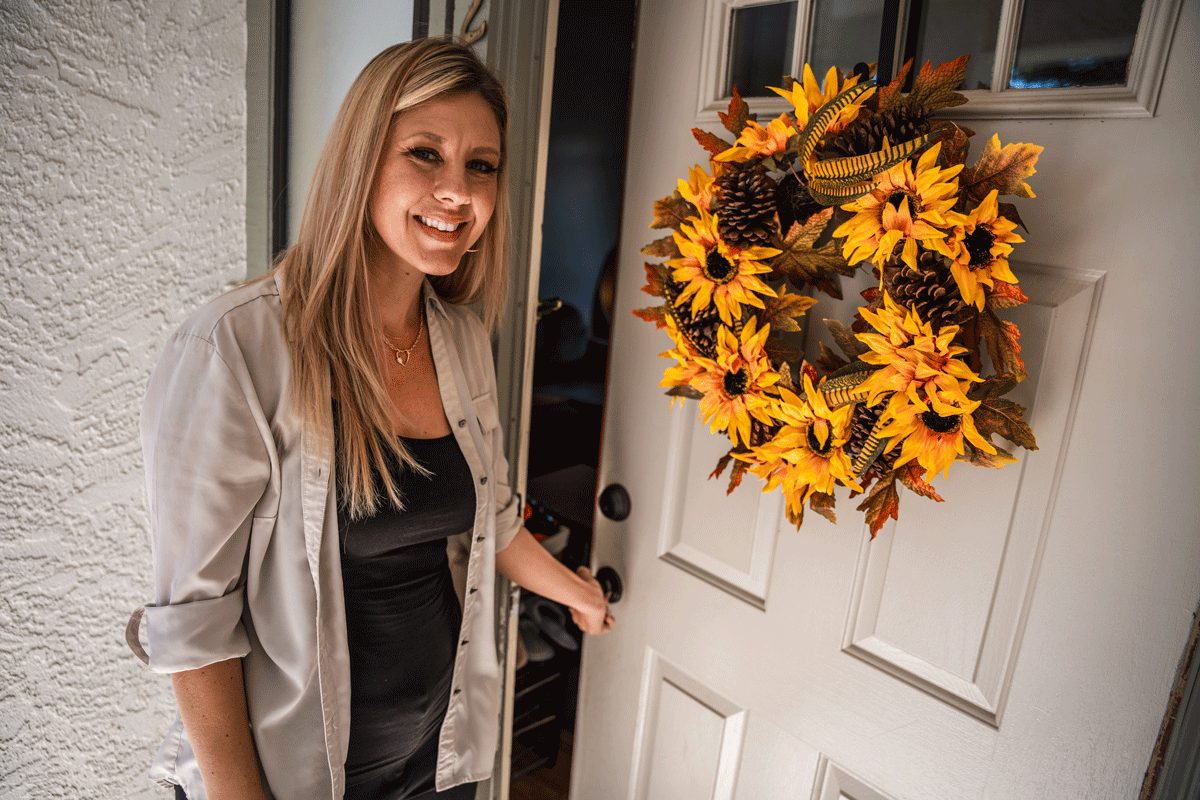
(401,360)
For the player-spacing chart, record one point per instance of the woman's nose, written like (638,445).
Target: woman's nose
(452,186)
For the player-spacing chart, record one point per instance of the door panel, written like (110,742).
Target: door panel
(1018,640)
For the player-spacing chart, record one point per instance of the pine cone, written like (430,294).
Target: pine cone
(793,203)
(861,425)
(747,212)
(929,289)
(865,134)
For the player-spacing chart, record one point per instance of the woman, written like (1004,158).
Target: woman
(316,444)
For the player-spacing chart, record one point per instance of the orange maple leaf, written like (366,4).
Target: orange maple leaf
(912,475)
(1001,168)
(739,114)
(711,142)
(673,211)
(881,503)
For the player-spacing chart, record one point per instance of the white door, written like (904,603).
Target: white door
(1026,653)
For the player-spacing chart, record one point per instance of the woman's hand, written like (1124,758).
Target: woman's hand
(528,564)
(592,616)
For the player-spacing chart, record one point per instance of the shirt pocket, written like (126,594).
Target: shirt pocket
(486,412)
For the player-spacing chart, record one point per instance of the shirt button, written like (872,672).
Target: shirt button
(462,423)
(479,538)
(483,479)
(464,642)
(458,691)
(473,590)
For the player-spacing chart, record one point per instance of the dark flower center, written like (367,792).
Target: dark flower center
(979,244)
(939,424)
(735,383)
(815,445)
(717,268)
(896,200)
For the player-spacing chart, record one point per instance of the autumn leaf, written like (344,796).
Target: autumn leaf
(1002,339)
(846,339)
(735,475)
(823,504)
(1006,295)
(655,314)
(1004,417)
(711,142)
(782,311)
(686,392)
(1009,212)
(662,248)
(673,211)
(739,114)
(722,463)
(890,96)
(829,361)
(955,148)
(785,376)
(881,503)
(657,276)
(1001,168)
(912,476)
(982,458)
(934,88)
(994,386)
(802,264)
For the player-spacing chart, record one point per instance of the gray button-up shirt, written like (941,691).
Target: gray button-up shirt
(246,563)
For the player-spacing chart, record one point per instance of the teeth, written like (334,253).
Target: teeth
(436,223)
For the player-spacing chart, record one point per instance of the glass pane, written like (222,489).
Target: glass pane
(951,28)
(1075,43)
(760,48)
(845,32)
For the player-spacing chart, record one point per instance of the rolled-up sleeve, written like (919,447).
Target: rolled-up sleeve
(208,462)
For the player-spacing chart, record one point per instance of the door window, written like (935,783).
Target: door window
(1029,58)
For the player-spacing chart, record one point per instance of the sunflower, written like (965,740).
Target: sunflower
(699,188)
(738,384)
(933,436)
(806,97)
(758,141)
(806,455)
(686,368)
(906,205)
(914,359)
(979,247)
(716,273)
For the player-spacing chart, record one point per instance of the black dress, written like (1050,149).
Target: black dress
(403,617)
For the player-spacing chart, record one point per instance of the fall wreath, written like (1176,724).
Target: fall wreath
(858,175)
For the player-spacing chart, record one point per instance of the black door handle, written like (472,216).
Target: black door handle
(611,583)
(614,502)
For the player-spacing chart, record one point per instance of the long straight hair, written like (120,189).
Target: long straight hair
(326,287)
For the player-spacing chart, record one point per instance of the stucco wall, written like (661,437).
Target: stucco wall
(121,210)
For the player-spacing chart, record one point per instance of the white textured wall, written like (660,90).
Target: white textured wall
(121,210)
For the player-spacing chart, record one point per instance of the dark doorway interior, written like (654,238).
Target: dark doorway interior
(588,125)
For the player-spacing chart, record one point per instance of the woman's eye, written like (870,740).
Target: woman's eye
(423,154)
(483,167)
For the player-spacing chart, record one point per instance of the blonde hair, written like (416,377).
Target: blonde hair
(325,283)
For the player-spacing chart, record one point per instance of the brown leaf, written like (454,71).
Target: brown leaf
(994,386)
(735,475)
(711,142)
(846,340)
(1009,212)
(955,148)
(1006,295)
(1001,168)
(1002,339)
(934,88)
(912,476)
(655,314)
(785,376)
(739,114)
(982,458)
(997,415)
(685,391)
(722,463)
(781,312)
(890,96)
(801,263)
(673,211)
(881,503)
(662,248)
(656,279)
(823,504)
(829,361)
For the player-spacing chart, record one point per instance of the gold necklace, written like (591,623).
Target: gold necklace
(404,354)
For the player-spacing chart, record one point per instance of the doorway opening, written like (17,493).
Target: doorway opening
(584,183)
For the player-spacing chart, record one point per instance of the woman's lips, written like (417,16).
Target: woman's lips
(431,227)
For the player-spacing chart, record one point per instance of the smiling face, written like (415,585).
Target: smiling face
(436,186)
